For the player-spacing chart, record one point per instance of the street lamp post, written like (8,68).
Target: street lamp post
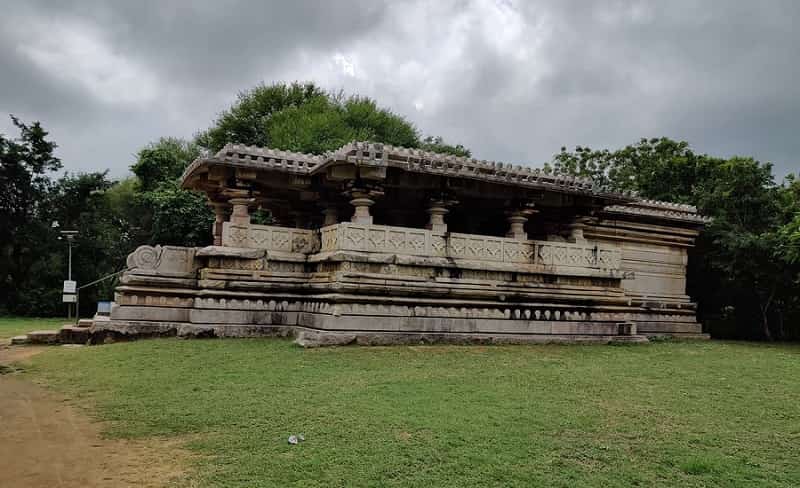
(69,235)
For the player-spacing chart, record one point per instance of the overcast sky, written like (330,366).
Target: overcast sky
(513,81)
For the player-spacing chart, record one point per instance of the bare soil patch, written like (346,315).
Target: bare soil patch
(46,441)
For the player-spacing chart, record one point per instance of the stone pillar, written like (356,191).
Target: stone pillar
(437,210)
(302,220)
(220,212)
(362,202)
(241,213)
(576,230)
(516,223)
(331,216)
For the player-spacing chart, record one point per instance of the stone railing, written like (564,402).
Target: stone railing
(269,237)
(348,236)
(383,239)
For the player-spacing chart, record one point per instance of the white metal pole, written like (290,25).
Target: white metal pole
(69,275)
(69,268)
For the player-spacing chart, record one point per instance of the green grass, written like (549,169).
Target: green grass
(665,414)
(14,326)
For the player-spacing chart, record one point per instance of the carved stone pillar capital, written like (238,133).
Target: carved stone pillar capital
(437,209)
(241,210)
(362,200)
(516,223)
(576,228)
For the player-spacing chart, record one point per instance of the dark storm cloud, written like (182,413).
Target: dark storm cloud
(512,80)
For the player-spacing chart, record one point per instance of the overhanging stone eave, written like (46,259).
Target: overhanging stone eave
(403,159)
(190,171)
(688,220)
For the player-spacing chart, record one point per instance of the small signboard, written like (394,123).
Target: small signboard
(103,308)
(67,298)
(70,286)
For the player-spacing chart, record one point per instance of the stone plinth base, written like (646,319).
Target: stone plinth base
(358,297)
(309,337)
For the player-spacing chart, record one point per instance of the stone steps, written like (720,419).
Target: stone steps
(67,334)
(73,334)
(43,337)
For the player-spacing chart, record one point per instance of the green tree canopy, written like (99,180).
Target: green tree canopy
(24,184)
(305,118)
(162,161)
(745,272)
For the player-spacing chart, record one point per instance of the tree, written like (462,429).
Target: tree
(744,272)
(437,145)
(163,212)
(163,160)
(305,118)
(81,202)
(24,163)
(247,121)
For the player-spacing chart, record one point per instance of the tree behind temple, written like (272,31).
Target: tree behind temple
(744,272)
(305,118)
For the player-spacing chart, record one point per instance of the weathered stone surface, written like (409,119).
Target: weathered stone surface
(313,338)
(88,322)
(43,337)
(72,334)
(19,340)
(231,252)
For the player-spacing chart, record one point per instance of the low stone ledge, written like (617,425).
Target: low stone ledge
(123,330)
(230,252)
(43,337)
(310,338)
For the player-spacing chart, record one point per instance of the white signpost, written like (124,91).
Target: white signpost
(70,292)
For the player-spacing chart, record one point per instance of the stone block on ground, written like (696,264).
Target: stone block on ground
(19,340)
(43,337)
(72,334)
(84,323)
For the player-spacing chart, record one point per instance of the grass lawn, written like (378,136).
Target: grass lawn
(663,414)
(13,326)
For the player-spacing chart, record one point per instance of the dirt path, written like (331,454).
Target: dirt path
(46,442)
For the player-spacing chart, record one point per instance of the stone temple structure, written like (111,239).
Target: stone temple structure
(374,244)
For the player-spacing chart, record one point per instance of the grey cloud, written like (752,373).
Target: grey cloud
(514,81)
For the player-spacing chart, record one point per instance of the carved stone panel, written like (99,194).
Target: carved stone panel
(165,260)
(271,238)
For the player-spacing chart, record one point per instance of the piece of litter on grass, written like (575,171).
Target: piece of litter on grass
(296,439)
